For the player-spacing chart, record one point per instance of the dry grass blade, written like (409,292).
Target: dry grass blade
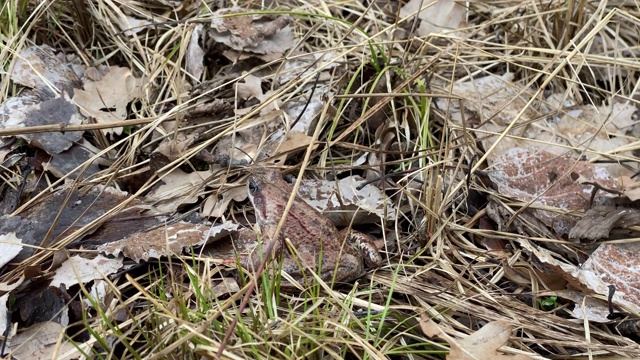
(345,92)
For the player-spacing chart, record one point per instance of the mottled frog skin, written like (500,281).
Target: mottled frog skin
(342,255)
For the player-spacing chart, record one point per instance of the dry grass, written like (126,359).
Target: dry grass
(435,263)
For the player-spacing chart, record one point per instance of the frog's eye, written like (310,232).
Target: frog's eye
(253,187)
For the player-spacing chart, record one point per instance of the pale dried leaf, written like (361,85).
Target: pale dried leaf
(216,204)
(11,247)
(3,311)
(179,189)
(481,345)
(40,68)
(436,15)
(595,310)
(228,286)
(630,187)
(40,342)
(345,200)
(98,293)
(78,270)
(195,54)
(106,100)
(131,26)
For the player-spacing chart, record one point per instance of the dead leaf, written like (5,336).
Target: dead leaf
(78,269)
(40,68)
(64,163)
(610,264)
(106,100)
(481,345)
(42,304)
(250,87)
(349,201)
(630,188)
(597,223)
(164,241)
(542,177)
(436,15)
(216,204)
(179,189)
(595,310)
(31,110)
(131,26)
(195,55)
(11,247)
(254,33)
(84,206)
(41,342)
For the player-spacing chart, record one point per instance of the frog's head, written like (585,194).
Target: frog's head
(267,200)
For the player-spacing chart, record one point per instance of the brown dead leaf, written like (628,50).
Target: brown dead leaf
(481,345)
(610,264)
(630,188)
(84,205)
(163,241)
(216,204)
(106,100)
(255,33)
(597,223)
(542,177)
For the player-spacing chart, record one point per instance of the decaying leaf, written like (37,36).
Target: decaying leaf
(31,110)
(78,269)
(11,247)
(131,26)
(64,163)
(106,100)
(253,33)
(436,15)
(481,345)
(349,201)
(84,205)
(179,189)
(543,177)
(610,264)
(41,342)
(216,204)
(596,310)
(597,223)
(195,55)
(493,102)
(40,68)
(165,241)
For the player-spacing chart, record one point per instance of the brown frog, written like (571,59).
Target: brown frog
(343,255)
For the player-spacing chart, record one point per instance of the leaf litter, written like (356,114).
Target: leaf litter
(488,176)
